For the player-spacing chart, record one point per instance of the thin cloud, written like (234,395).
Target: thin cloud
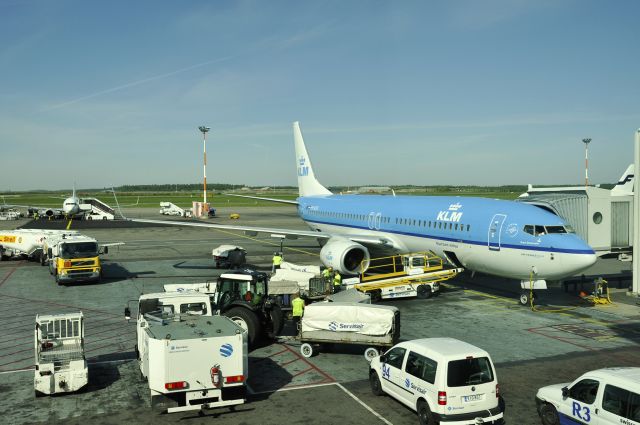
(137,83)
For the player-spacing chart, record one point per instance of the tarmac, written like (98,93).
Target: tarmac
(556,342)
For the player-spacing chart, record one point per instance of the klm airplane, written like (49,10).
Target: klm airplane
(502,238)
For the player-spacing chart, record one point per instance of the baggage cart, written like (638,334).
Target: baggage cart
(370,325)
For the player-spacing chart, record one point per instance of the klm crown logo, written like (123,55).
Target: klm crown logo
(303,170)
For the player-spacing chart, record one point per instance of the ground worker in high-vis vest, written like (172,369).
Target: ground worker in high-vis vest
(337,282)
(277,260)
(298,309)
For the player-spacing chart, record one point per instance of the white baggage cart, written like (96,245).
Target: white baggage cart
(61,366)
(371,325)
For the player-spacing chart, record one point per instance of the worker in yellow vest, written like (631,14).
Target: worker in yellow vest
(337,282)
(277,261)
(298,309)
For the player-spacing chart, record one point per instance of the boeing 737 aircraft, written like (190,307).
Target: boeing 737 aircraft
(502,238)
(70,207)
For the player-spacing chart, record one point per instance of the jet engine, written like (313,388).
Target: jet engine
(345,256)
(46,212)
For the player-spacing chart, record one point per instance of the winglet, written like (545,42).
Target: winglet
(308,185)
(625,184)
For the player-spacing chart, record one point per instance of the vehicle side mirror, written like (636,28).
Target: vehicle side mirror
(106,250)
(127,313)
(383,358)
(565,392)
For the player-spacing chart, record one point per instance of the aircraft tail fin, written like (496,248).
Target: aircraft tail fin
(308,185)
(625,184)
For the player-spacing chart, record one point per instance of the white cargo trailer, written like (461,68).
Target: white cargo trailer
(196,362)
(374,326)
(61,366)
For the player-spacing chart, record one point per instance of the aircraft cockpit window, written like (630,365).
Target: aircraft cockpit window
(555,229)
(529,229)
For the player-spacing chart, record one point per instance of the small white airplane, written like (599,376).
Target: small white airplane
(70,207)
(502,238)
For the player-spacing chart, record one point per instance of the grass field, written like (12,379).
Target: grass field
(152,200)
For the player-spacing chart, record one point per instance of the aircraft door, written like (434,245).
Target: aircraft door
(377,220)
(371,220)
(495,228)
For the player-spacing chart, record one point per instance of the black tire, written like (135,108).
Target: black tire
(58,281)
(374,382)
(526,297)
(250,319)
(376,296)
(549,414)
(425,417)
(277,321)
(424,292)
(104,218)
(90,218)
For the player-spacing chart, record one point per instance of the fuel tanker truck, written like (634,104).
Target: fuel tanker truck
(28,243)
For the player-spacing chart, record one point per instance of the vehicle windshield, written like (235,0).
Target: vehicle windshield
(470,371)
(78,250)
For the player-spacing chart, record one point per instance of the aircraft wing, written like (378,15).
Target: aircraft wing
(289,233)
(282,201)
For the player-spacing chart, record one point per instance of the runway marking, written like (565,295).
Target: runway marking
(337,384)
(365,405)
(291,388)
(8,275)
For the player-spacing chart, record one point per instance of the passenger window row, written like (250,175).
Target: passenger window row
(434,224)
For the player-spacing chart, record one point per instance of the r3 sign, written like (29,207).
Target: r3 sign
(581,412)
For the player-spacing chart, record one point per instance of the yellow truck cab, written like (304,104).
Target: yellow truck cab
(74,258)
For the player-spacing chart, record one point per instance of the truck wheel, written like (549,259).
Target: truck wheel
(371,353)
(376,296)
(247,320)
(374,382)
(277,321)
(549,415)
(424,292)
(89,218)
(306,350)
(424,413)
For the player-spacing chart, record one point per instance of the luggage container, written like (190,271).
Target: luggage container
(374,326)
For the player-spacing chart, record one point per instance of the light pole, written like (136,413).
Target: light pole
(586,161)
(204,131)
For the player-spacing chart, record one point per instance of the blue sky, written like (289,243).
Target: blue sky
(451,92)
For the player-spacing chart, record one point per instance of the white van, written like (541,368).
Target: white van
(603,396)
(445,380)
